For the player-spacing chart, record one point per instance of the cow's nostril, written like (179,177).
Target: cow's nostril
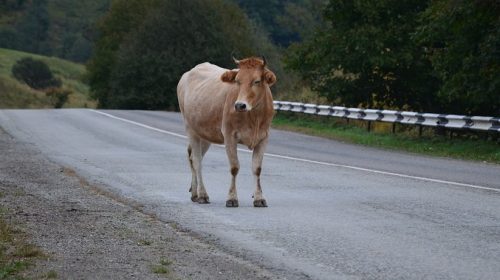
(240,106)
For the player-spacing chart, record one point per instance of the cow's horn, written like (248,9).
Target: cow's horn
(264,60)
(235,60)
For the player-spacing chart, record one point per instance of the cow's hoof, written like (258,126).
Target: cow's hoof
(260,203)
(232,203)
(203,200)
(194,198)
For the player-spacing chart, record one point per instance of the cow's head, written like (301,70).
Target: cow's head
(253,80)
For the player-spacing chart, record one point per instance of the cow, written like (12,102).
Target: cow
(227,107)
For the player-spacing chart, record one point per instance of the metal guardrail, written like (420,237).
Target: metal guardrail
(403,117)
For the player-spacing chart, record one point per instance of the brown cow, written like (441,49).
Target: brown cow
(227,107)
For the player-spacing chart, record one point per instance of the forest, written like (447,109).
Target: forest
(438,56)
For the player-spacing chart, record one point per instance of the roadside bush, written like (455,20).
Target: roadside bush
(58,96)
(35,73)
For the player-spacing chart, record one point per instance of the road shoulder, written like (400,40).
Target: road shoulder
(86,233)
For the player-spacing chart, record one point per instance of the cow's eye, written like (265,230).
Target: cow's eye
(256,82)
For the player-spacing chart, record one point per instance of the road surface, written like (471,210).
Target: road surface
(336,211)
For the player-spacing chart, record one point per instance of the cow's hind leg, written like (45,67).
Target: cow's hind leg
(194,182)
(257,156)
(196,150)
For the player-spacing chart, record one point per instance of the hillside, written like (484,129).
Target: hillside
(14,94)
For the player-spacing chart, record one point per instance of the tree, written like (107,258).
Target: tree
(56,27)
(174,37)
(33,28)
(266,14)
(11,5)
(365,56)
(122,18)
(462,39)
(301,18)
(80,50)
(26,25)
(9,38)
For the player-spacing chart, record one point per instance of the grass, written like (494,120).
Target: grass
(28,251)
(406,139)
(14,94)
(16,254)
(144,242)
(162,267)
(8,270)
(51,275)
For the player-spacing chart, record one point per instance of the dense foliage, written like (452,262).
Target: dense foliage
(462,39)
(122,17)
(146,46)
(365,57)
(30,32)
(286,21)
(35,73)
(421,55)
(62,28)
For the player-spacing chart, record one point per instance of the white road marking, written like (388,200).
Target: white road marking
(312,161)
(140,124)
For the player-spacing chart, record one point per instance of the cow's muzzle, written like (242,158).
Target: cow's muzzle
(241,106)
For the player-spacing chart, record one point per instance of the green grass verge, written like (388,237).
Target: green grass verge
(408,140)
(16,254)
(14,94)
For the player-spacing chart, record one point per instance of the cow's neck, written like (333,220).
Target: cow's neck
(261,117)
(264,111)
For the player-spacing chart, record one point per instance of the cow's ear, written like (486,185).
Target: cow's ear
(269,77)
(229,76)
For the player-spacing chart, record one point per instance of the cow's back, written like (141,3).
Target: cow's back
(202,96)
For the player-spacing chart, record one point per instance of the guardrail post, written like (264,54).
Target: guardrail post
(369,127)
(393,128)
(439,130)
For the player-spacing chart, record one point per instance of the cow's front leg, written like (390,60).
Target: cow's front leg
(232,155)
(257,156)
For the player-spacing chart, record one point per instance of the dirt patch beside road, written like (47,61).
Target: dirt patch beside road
(85,233)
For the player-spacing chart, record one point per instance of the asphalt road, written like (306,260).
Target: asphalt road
(336,211)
